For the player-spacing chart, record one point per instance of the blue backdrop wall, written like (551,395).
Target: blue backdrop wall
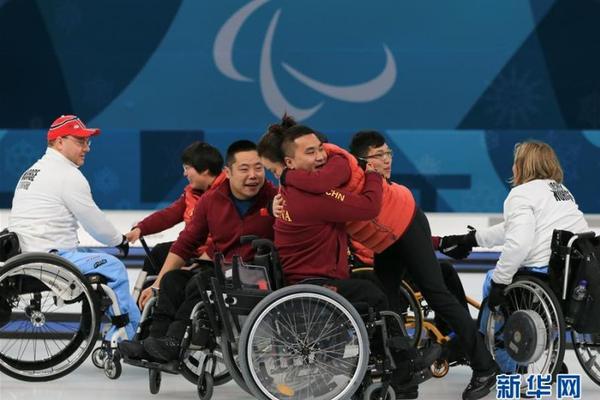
(448,170)
(453,84)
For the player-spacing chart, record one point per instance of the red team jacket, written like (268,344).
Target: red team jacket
(215,213)
(342,171)
(311,234)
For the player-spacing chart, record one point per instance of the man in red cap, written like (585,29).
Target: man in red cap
(53,196)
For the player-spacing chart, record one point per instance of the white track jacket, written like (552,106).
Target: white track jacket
(50,198)
(531,212)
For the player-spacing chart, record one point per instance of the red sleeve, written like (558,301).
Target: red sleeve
(163,219)
(335,173)
(194,234)
(342,206)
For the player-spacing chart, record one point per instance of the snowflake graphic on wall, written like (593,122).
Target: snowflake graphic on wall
(106,180)
(589,110)
(492,140)
(513,99)
(427,164)
(18,157)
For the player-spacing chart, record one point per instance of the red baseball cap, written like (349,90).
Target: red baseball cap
(70,125)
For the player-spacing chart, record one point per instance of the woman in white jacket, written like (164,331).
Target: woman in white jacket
(537,204)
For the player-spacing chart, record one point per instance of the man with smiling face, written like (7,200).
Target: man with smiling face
(53,196)
(230,211)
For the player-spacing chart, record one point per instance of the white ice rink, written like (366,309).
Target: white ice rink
(88,383)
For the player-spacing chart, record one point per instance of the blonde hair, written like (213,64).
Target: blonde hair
(535,160)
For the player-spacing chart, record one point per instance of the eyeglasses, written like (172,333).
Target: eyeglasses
(380,156)
(81,142)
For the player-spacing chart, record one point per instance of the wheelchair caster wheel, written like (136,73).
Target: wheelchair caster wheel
(112,368)
(440,368)
(373,392)
(98,357)
(564,369)
(205,386)
(155,377)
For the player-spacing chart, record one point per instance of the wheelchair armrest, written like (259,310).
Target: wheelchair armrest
(248,239)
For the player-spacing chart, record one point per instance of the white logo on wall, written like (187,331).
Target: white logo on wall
(272,95)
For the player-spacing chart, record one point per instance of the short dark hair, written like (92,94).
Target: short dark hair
(293,133)
(202,156)
(363,140)
(237,147)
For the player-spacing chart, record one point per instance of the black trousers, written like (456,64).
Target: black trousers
(177,297)
(454,285)
(417,257)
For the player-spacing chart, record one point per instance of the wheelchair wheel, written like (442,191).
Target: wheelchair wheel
(154,380)
(373,392)
(192,366)
(54,319)
(413,315)
(304,342)
(205,386)
(231,360)
(587,350)
(528,334)
(112,367)
(98,357)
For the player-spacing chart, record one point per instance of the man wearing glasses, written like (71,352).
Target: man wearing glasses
(53,196)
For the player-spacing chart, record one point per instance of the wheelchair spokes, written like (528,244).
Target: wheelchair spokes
(527,335)
(587,350)
(304,345)
(53,321)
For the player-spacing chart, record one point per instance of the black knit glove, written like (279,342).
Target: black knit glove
(458,246)
(123,248)
(496,296)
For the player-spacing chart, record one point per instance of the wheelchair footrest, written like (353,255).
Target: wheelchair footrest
(171,367)
(417,378)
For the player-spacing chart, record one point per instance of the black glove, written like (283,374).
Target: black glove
(496,296)
(458,246)
(123,248)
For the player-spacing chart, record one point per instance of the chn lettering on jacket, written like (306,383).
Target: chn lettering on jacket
(285,215)
(336,195)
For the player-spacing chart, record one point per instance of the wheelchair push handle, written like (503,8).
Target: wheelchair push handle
(147,251)
(584,235)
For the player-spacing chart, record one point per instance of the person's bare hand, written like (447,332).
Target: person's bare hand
(146,295)
(370,168)
(133,235)
(278,204)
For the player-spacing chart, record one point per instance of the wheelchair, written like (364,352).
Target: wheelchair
(51,318)
(528,335)
(300,341)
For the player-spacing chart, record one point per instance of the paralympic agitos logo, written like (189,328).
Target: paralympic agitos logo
(274,98)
